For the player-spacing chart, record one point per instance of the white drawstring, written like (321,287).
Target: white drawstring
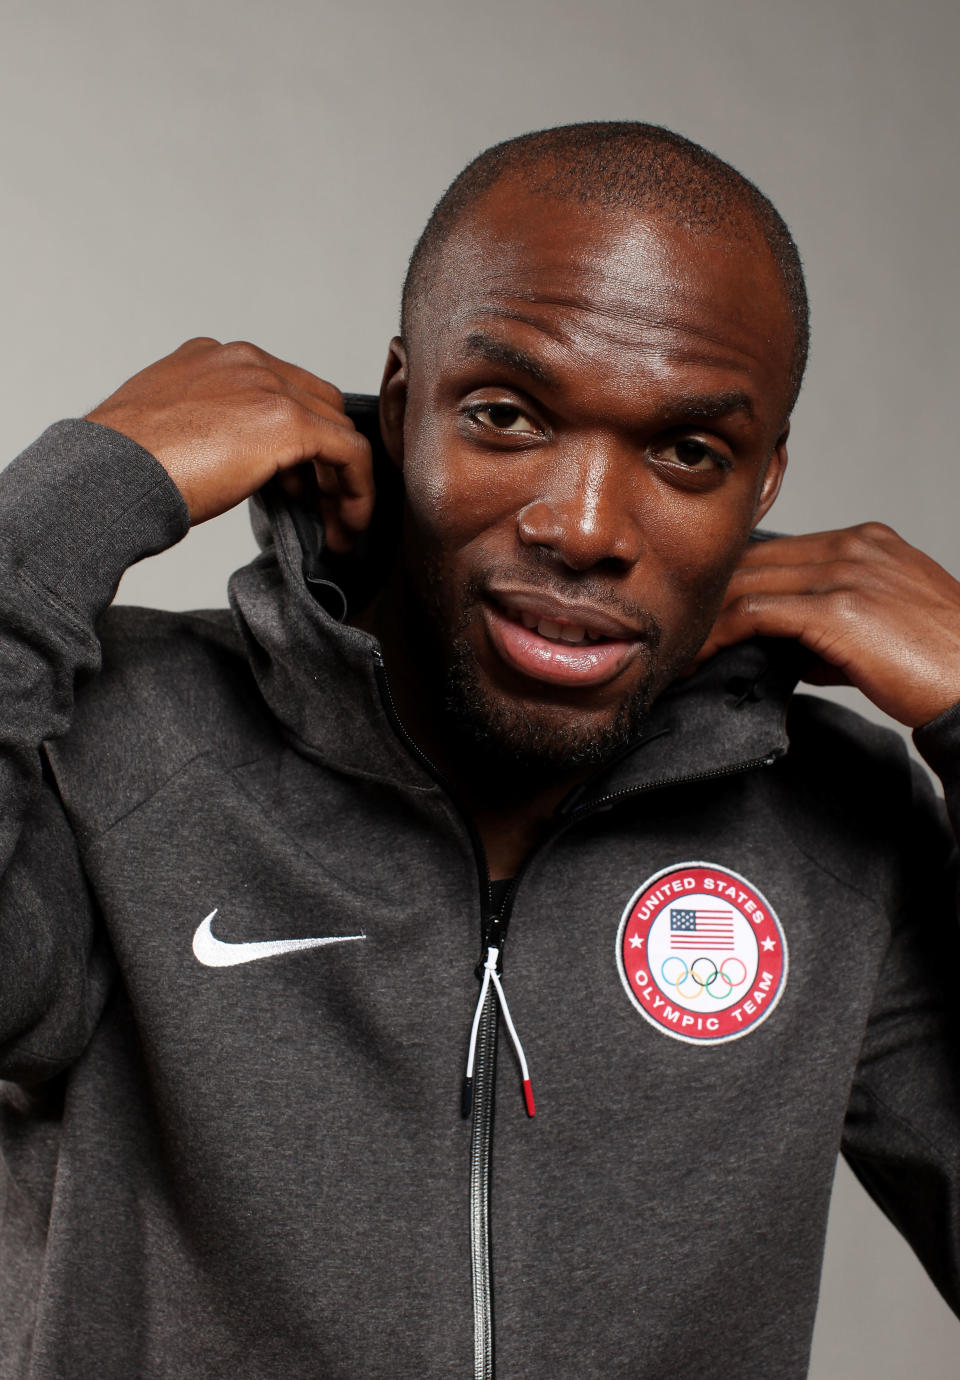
(490,975)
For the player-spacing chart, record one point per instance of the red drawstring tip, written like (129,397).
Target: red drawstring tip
(528,1097)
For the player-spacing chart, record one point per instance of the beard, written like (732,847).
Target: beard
(539,738)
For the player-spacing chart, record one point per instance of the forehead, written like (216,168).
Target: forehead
(611,289)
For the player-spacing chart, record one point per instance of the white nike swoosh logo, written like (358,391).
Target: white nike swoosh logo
(216,953)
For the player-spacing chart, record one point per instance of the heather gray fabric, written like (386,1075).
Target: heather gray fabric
(260,1170)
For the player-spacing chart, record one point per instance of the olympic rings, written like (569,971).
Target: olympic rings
(672,958)
(704,985)
(704,982)
(690,996)
(736,981)
(730,986)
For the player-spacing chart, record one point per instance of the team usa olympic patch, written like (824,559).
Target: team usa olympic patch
(701,953)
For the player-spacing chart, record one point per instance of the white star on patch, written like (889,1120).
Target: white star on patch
(769,944)
(636,942)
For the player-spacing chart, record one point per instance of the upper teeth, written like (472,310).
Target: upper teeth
(557,632)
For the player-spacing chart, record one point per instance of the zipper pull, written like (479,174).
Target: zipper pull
(490,974)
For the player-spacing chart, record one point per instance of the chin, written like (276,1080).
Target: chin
(509,735)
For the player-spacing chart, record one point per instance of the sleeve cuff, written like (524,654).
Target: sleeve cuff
(81,505)
(938,743)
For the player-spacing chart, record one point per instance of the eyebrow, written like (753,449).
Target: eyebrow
(687,410)
(707,407)
(488,347)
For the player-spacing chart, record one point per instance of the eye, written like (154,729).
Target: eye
(503,417)
(693,455)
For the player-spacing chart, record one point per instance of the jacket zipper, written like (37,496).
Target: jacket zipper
(492,928)
(493,931)
(481,1150)
(576,810)
(484,1079)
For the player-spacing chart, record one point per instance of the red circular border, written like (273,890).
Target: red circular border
(646,991)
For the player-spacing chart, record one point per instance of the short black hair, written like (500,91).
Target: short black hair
(621,163)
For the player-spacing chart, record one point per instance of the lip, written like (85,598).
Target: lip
(557,663)
(546,605)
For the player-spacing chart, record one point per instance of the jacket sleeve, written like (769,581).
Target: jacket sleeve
(902,1129)
(76,509)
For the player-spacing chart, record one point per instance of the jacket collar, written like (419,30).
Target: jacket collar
(729,715)
(319,675)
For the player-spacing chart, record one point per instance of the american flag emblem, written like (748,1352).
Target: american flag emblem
(701,954)
(701,929)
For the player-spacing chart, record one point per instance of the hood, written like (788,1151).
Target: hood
(319,675)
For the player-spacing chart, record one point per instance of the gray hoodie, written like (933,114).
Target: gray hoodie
(734,954)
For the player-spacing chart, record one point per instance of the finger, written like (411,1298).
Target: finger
(343,449)
(316,387)
(327,482)
(319,478)
(890,572)
(342,463)
(196,345)
(309,482)
(314,436)
(300,484)
(310,402)
(811,619)
(336,535)
(821,577)
(356,493)
(814,670)
(315,486)
(847,543)
(340,526)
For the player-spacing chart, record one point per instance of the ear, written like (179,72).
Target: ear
(773,478)
(393,400)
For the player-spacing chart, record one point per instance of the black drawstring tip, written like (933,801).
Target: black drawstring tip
(466,1099)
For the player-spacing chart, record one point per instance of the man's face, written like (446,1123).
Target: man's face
(590,422)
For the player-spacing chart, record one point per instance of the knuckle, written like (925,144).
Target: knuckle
(327,412)
(851,545)
(360,444)
(747,577)
(241,352)
(876,532)
(846,605)
(277,409)
(746,606)
(842,572)
(258,377)
(858,542)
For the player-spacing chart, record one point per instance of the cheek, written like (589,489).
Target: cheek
(453,494)
(695,556)
(696,568)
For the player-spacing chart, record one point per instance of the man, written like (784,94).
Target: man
(261,866)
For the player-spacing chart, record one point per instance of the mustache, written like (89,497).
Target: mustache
(567,586)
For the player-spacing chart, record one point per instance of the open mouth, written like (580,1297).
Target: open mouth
(570,634)
(559,651)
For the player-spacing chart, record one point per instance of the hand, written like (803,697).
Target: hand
(877,613)
(223,419)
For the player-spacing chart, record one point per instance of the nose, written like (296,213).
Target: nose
(586,509)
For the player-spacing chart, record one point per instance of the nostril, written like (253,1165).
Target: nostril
(538,524)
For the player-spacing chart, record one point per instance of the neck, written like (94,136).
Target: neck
(510,806)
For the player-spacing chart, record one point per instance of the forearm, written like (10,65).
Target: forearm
(76,508)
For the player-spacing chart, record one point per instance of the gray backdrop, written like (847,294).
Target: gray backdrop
(260,172)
